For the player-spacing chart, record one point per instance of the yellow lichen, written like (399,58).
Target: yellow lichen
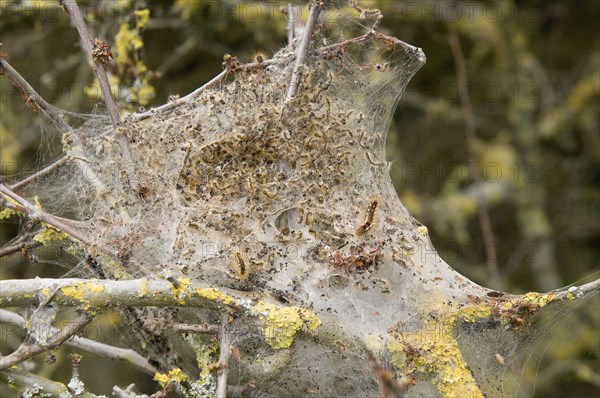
(213,294)
(282,323)
(178,289)
(141,18)
(438,355)
(539,299)
(79,290)
(7,213)
(174,374)
(143,289)
(49,234)
(73,291)
(473,313)
(423,230)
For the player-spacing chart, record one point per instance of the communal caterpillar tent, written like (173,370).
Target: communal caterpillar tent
(242,200)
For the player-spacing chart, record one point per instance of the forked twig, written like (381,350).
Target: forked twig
(91,346)
(302,50)
(26,350)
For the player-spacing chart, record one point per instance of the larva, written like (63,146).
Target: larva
(368,221)
(241,263)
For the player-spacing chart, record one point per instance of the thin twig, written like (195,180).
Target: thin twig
(37,214)
(196,328)
(26,350)
(21,243)
(385,378)
(52,113)
(41,173)
(370,35)
(323,51)
(127,393)
(25,380)
(31,95)
(578,292)
(470,129)
(188,98)
(302,50)
(292,14)
(87,345)
(196,93)
(224,354)
(87,43)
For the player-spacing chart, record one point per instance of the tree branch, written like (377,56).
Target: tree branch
(34,213)
(87,43)
(97,294)
(467,110)
(579,292)
(224,353)
(196,93)
(196,328)
(25,380)
(27,350)
(302,49)
(292,14)
(45,171)
(30,94)
(91,346)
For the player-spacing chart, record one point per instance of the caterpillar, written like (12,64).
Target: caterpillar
(368,220)
(241,265)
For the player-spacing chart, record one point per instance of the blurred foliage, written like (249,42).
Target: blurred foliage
(533,72)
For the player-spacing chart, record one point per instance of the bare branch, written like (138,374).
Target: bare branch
(87,43)
(197,328)
(224,353)
(24,380)
(91,346)
(22,243)
(30,94)
(35,214)
(45,171)
(27,350)
(302,50)
(467,110)
(292,14)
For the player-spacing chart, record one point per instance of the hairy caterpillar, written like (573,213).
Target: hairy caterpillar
(368,219)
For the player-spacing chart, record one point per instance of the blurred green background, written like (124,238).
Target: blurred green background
(500,161)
